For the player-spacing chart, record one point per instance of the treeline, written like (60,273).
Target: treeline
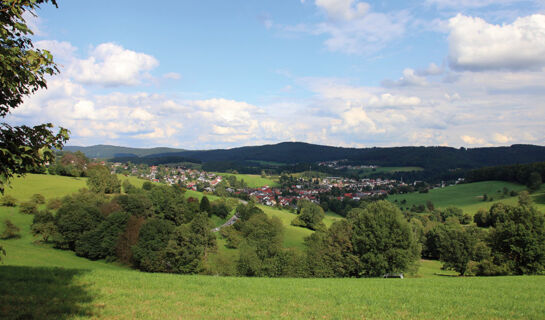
(531,175)
(154,160)
(370,242)
(154,228)
(506,240)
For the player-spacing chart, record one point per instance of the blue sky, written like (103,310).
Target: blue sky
(216,74)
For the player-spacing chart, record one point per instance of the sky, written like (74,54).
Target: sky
(219,74)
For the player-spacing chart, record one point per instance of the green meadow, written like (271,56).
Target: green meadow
(468,197)
(39,282)
(252,180)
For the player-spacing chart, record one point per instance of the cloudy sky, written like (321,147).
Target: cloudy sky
(215,74)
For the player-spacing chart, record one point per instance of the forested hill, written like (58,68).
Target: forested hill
(298,152)
(107,152)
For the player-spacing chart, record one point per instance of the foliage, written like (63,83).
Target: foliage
(43,225)
(372,241)
(205,205)
(8,201)
(37,198)
(534,181)
(78,214)
(23,70)
(310,216)
(28,207)
(100,243)
(137,204)
(456,248)
(102,181)
(10,230)
(189,245)
(149,252)
(518,239)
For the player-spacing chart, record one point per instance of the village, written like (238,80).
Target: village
(284,194)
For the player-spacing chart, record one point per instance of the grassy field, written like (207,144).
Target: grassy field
(468,197)
(252,180)
(39,282)
(43,283)
(49,186)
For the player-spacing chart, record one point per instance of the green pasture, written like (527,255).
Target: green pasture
(50,186)
(39,282)
(468,196)
(252,180)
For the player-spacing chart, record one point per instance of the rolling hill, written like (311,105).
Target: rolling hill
(297,152)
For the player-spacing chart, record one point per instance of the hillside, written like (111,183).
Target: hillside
(38,274)
(108,151)
(298,152)
(82,289)
(468,196)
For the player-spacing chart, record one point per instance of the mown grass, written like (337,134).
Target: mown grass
(38,282)
(468,197)
(50,186)
(252,180)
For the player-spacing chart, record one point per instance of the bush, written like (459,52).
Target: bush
(54,204)
(28,207)
(44,225)
(9,201)
(11,231)
(37,198)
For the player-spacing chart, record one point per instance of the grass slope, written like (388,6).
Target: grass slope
(253,180)
(39,282)
(468,196)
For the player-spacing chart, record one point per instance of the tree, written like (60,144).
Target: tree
(205,205)
(382,239)
(534,181)
(456,248)
(187,249)
(102,181)
(10,231)
(310,217)
(149,252)
(23,71)
(518,240)
(44,225)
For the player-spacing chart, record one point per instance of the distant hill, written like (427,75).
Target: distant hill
(437,158)
(107,151)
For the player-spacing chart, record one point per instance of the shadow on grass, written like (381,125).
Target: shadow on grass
(42,293)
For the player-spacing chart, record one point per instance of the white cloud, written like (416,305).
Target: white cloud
(172,76)
(343,9)
(501,138)
(352,27)
(111,65)
(410,78)
(475,44)
(472,140)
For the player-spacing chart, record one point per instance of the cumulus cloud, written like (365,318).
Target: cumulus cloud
(343,9)
(473,140)
(108,65)
(352,27)
(475,44)
(409,78)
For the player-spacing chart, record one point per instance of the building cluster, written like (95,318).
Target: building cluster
(303,188)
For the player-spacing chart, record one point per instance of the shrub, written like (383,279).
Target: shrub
(44,225)
(54,204)
(9,201)
(37,198)
(11,231)
(28,207)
